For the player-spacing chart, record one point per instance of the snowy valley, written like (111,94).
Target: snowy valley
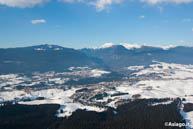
(158,80)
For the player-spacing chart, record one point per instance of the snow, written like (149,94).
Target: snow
(168,47)
(189,118)
(112,104)
(39,49)
(189,99)
(175,80)
(135,67)
(130,46)
(12,80)
(126,45)
(167,102)
(166,88)
(71,107)
(169,70)
(129,89)
(11,95)
(106,45)
(58,80)
(67,109)
(98,72)
(57,49)
(71,68)
(115,112)
(86,72)
(58,96)
(8,76)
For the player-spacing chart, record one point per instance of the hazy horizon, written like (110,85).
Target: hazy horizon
(104,45)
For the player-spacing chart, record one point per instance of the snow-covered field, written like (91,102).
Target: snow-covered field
(58,96)
(51,96)
(135,67)
(49,78)
(98,72)
(166,70)
(175,80)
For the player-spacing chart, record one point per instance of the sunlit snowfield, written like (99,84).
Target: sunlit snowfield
(159,80)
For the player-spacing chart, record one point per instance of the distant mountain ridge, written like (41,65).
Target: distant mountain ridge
(43,58)
(46,57)
(133,46)
(118,56)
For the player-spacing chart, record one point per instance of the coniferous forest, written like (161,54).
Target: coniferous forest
(138,114)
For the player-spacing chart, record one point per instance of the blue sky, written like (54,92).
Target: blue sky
(87,23)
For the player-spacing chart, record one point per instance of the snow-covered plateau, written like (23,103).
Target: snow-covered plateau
(159,80)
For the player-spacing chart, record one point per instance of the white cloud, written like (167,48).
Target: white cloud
(38,21)
(142,16)
(67,1)
(166,1)
(22,3)
(103,4)
(98,4)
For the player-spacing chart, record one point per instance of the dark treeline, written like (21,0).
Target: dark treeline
(138,114)
(27,117)
(188,107)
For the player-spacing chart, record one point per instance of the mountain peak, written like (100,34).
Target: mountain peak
(107,45)
(130,46)
(134,46)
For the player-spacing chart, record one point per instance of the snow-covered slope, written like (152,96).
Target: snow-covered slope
(158,80)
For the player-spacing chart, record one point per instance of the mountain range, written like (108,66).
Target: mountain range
(46,57)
